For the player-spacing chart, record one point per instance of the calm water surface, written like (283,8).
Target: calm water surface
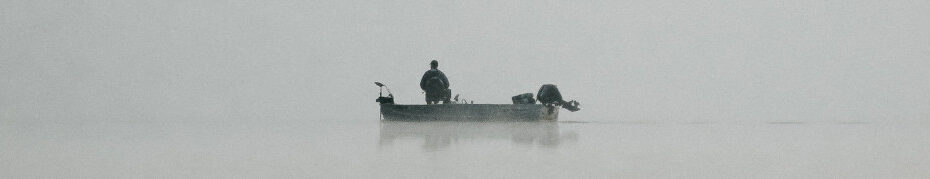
(376,149)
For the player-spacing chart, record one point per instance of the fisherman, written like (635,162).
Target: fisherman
(436,85)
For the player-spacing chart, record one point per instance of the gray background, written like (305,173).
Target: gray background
(678,89)
(706,60)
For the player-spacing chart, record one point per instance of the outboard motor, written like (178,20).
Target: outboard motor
(549,95)
(571,105)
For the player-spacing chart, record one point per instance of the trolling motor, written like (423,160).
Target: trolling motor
(384,99)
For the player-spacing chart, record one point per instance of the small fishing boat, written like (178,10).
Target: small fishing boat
(521,110)
(470,112)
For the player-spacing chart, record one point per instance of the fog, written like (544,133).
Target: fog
(708,60)
(93,64)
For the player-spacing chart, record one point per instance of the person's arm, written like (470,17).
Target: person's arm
(444,79)
(423,81)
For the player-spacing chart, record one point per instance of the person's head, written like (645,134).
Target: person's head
(434,64)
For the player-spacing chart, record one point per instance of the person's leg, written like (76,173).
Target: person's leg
(431,98)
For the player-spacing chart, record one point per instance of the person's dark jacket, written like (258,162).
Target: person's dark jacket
(434,81)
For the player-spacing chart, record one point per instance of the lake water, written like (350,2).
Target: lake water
(383,149)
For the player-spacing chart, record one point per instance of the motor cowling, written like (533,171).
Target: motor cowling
(549,94)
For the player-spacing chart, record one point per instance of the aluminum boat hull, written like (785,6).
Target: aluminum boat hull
(470,112)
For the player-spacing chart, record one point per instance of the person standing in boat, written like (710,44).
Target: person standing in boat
(436,85)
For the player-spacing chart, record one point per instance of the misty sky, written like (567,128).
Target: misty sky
(794,60)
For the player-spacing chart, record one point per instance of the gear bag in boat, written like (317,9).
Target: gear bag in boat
(525,98)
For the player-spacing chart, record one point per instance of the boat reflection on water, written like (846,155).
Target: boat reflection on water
(438,135)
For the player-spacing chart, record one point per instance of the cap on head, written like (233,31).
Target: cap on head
(434,64)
